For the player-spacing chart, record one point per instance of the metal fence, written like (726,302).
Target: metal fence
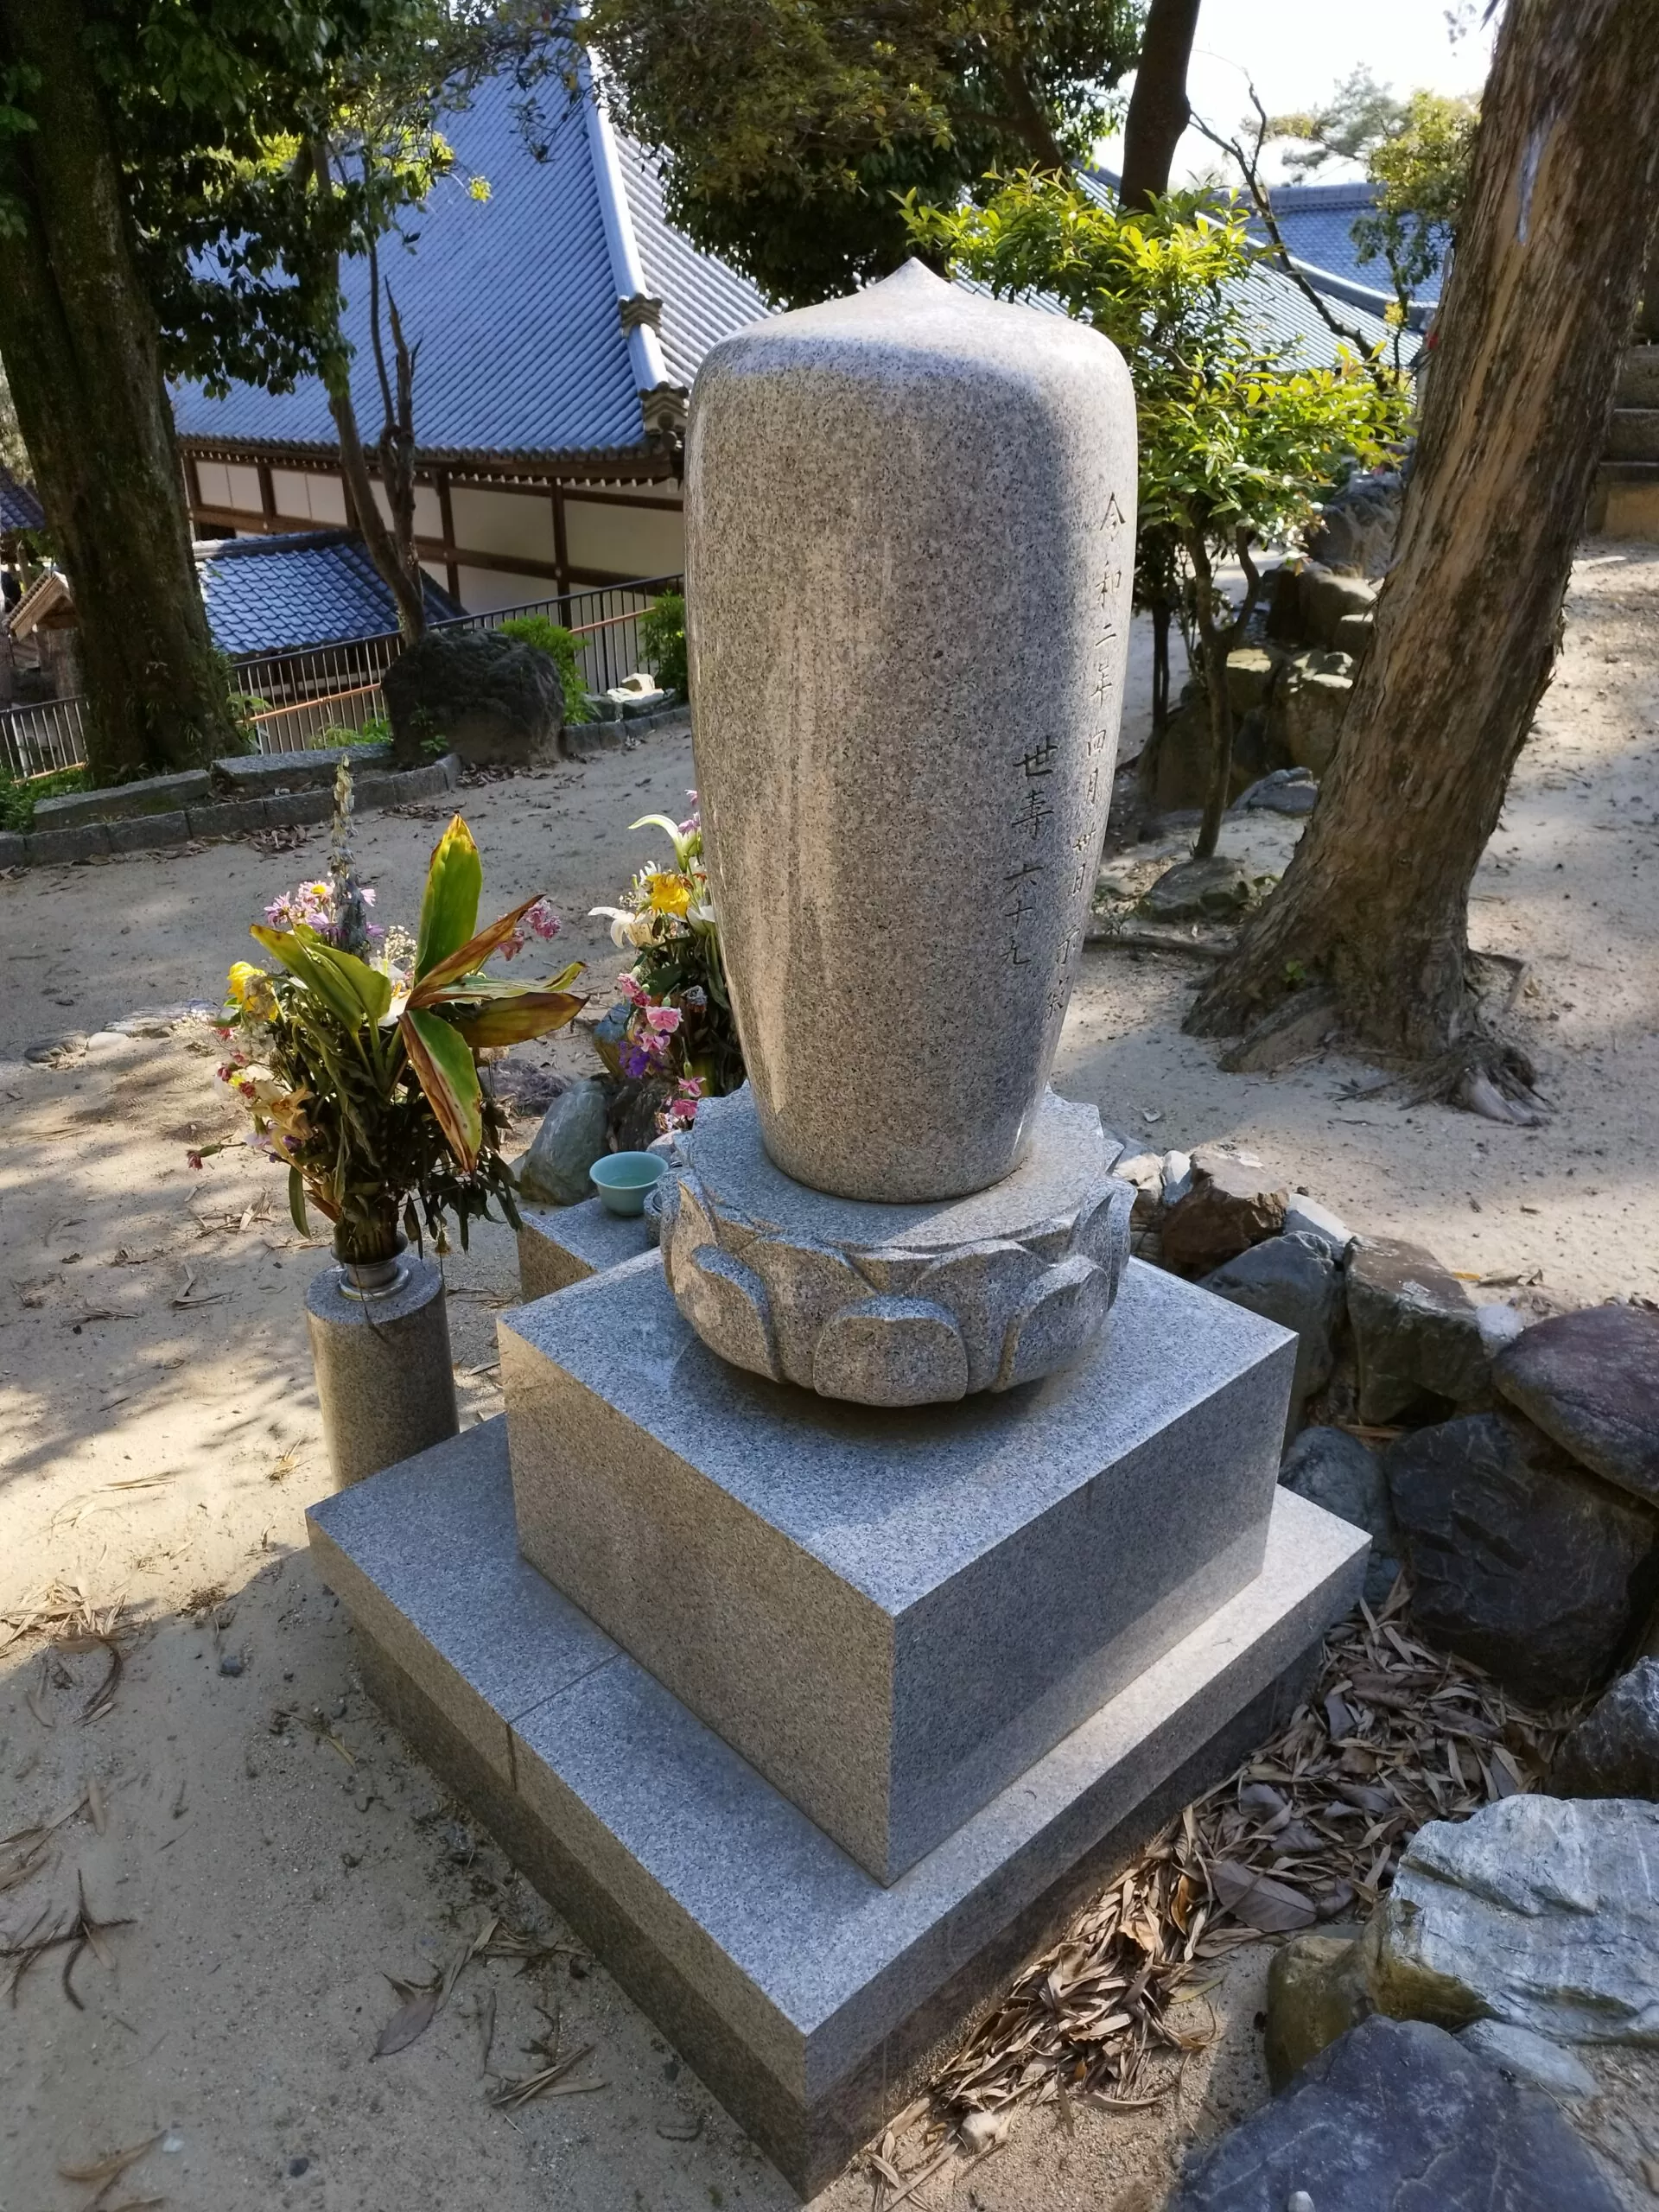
(305,699)
(33,740)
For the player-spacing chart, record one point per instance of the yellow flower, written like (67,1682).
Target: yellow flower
(667,894)
(250,989)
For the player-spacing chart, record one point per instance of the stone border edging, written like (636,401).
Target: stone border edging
(233,817)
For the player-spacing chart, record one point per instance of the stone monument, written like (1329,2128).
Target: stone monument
(908,660)
(852,1585)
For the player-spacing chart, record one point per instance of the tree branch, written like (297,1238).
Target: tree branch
(1250,166)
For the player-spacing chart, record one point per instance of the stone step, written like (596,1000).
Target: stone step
(1638,378)
(1624,501)
(811,2000)
(892,1612)
(1633,434)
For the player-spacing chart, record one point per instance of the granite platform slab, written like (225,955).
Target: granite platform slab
(892,1612)
(560,1245)
(810,1997)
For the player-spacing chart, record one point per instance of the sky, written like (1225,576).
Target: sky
(1296,51)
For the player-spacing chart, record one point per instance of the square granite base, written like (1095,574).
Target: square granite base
(810,1997)
(892,1612)
(560,1245)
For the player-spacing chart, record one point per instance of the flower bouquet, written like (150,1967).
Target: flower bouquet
(358,1055)
(675,1025)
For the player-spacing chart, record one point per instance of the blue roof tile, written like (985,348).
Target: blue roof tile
(19,508)
(279,594)
(1317,223)
(510,300)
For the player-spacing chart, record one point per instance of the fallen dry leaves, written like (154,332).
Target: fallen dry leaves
(1310,1829)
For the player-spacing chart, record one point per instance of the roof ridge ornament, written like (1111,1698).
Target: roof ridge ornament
(665,407)
(639,311)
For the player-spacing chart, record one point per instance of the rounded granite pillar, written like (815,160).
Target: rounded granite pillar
(909,535)
(385,1376)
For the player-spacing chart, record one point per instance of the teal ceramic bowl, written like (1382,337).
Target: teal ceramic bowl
(626,1179)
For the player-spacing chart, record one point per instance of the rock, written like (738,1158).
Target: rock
(1227,1209)
(1590,1380)
(1396,2117)
(634,1109)
(1285,791)
(1523,1563)
(1216,890)
(997,443)
(1414,1330)
(1326,600)
(1178,1176)
(1359,523)
(1306,714)
(1530,2059)
(1306,1216)
(1250,672)
(1316,1992)
(1614,1750)
(1499,1325)
(1331,1468)
(1295,1027)
(1540,1912)
(1180,765)
(231,1663)
(1146,1172)
(492,699)
(553,1171)
(1293,1280)
(1354,634)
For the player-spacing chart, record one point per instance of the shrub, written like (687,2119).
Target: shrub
(662,640)
(560,645)
(17,799)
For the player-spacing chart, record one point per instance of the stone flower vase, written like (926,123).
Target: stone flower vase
(379,1334)
(909,532)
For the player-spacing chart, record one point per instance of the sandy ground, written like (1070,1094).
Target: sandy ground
(273,1849)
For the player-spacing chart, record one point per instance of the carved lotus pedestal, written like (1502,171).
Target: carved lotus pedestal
(897,1305)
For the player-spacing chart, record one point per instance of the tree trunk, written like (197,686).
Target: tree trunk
(395,561)
(1159,112)
(1375,903)
(82,354)
(1214,642)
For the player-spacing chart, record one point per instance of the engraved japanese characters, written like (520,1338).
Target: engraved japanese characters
(909,532)
(909,535)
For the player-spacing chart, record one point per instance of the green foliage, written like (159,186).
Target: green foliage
(1417,152)
(662,640)
(562,647)
(17,799)
(357,1061)
(1422,172)
(1235,442)
(1357,119)
(13,454)
(790,128)
(214,109)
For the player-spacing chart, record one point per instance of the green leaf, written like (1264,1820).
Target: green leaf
(296,949)
(449,908)
(370,989)
(296,1201)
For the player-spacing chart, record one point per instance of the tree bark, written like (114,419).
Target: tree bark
(1375,905)
(82,354)
(1159,112)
